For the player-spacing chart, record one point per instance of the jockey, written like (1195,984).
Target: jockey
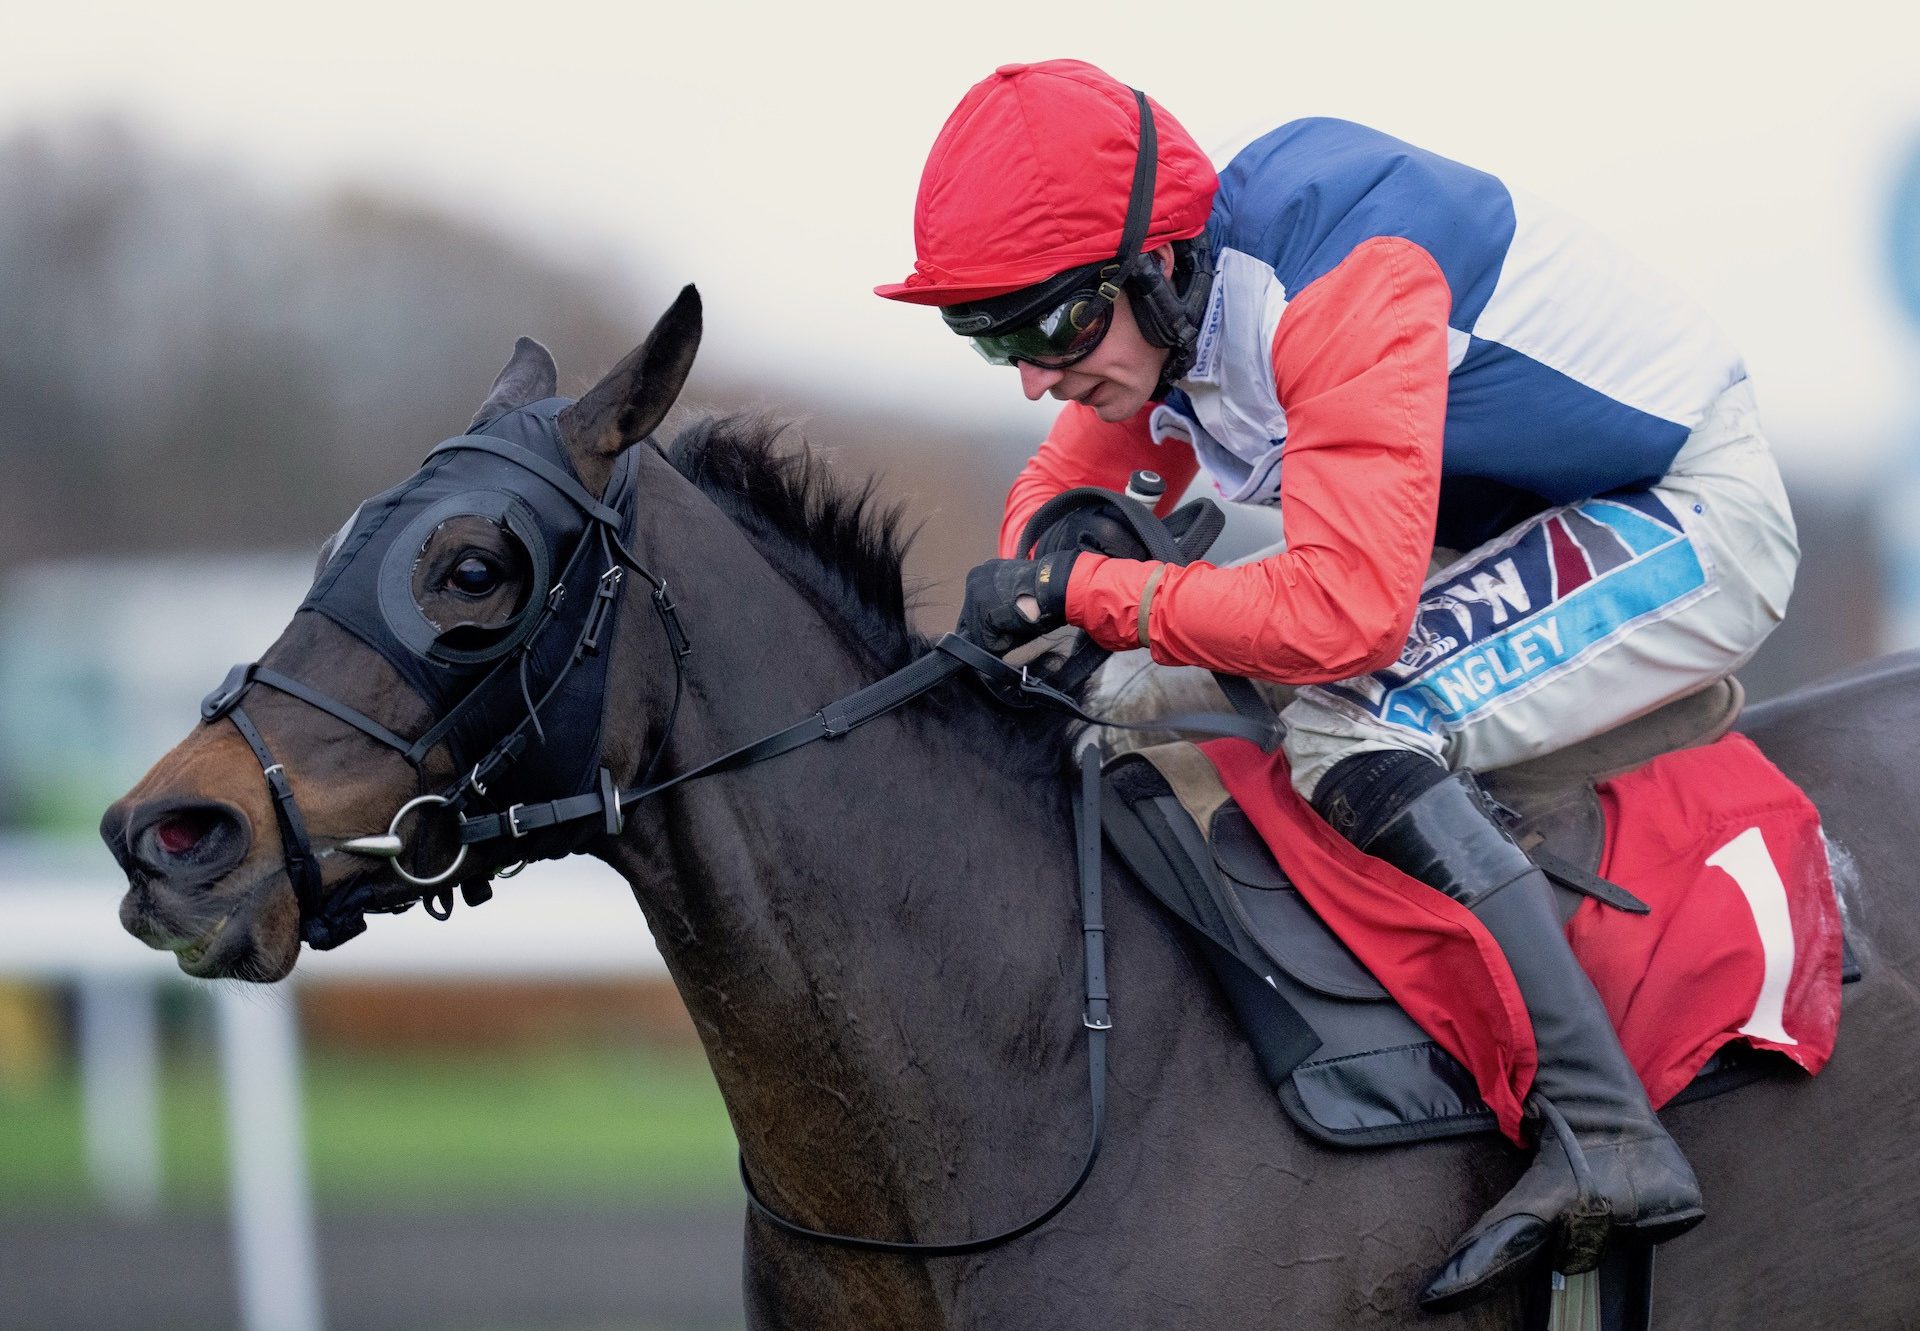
(1415,362)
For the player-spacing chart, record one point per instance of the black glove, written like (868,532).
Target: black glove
(993,616)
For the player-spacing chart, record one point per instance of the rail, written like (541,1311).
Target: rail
(572,920)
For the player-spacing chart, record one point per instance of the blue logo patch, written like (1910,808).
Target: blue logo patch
(1549,594)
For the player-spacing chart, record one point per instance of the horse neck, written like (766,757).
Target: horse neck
(876,937)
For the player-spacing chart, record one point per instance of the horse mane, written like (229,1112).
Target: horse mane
(836,540)
(842,545)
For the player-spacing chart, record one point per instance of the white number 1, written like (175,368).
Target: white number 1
(1745,859)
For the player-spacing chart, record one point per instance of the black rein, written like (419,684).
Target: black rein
(327,923)
(951,654)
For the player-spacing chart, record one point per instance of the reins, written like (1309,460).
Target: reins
(328,921)
(950,655)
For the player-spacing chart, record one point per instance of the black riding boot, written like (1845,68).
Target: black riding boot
(1434,827)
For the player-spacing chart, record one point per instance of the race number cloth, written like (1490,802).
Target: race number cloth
(1745,938)
(1742,942)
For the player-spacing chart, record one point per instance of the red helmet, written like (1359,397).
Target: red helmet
(1030,177)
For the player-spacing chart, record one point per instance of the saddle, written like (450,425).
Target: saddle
(1349,1065)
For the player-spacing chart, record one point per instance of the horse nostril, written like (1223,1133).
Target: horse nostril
(200,838)
(180,832)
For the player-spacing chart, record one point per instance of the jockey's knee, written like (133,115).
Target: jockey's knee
(1321,734)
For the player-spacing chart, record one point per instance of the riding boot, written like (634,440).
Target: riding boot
(1603,1157)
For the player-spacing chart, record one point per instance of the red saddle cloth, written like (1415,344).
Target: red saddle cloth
(1743,941)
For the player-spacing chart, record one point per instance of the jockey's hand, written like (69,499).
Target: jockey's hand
(1011,601)
(1091,528)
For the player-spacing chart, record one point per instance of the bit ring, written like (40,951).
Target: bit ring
(393,829)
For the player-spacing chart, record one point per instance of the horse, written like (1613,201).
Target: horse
(878,940)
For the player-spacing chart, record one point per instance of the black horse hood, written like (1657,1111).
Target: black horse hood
(512,470)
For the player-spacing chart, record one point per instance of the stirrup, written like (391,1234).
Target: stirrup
(1584,1229)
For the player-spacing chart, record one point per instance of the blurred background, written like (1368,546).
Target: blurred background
(253,263)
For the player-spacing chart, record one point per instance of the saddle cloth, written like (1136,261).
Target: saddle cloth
(1741,952)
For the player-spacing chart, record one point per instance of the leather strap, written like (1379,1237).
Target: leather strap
(830,722)
(1095,1017)
(951,654)
(1569,874)
(303,867)
(366,725)
(539,466)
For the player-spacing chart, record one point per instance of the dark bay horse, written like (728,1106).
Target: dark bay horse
(879,942)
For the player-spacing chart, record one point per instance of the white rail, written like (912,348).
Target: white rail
(572,920)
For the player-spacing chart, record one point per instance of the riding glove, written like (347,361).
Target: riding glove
(1012,601)
(1093,528)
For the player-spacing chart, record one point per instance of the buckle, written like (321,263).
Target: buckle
(513,820)
(670,617)
(616,818)
(601,613)
(1104,1024)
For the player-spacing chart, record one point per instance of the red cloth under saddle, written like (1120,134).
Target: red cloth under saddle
(1743,941)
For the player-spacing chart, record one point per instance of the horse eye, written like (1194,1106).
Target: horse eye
(473,576)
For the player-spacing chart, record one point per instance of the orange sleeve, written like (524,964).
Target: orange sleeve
(1082,449)
(1360,365)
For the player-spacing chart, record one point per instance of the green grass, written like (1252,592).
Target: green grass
(613,1125)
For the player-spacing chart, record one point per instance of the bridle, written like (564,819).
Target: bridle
(558,826)
(600,559)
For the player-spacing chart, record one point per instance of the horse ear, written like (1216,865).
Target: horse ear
(625,406)
(529,376)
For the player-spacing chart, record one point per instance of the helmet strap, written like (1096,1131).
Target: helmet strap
(1166,318)
(1146,161)
(1169,313)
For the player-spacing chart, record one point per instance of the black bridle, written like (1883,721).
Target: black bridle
(327,921)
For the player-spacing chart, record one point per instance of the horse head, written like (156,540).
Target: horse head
(414,680)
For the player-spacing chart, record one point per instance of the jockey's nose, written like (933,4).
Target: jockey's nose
(184,841)
(1036,380)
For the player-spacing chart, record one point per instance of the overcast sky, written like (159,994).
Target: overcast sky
(770,152)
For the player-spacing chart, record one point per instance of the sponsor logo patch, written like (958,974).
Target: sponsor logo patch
(1553,592)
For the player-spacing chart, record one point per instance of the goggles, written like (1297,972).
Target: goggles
(1053,325)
